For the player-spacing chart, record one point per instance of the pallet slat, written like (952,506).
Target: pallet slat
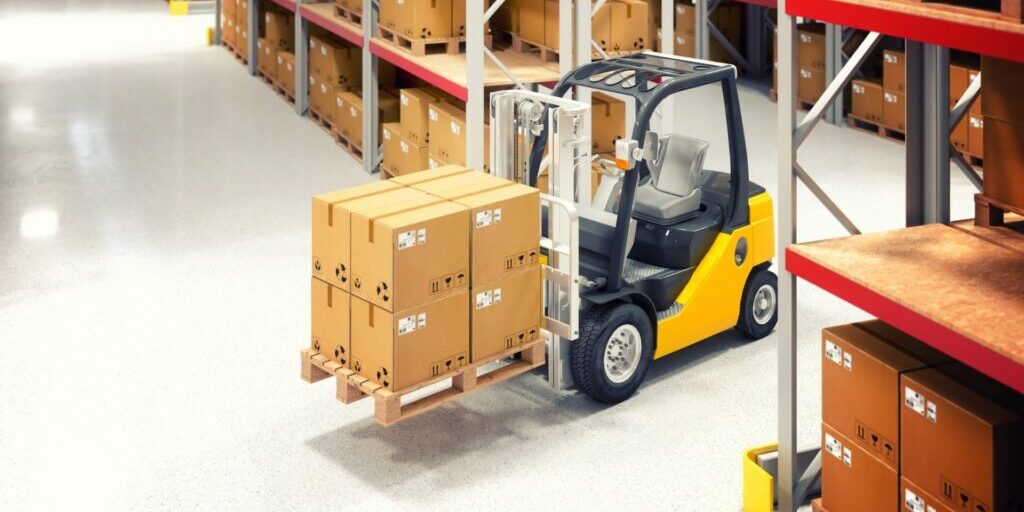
(348,15)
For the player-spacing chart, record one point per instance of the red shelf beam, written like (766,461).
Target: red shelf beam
(925,29)
(953,344)
(430,76)
(337,29)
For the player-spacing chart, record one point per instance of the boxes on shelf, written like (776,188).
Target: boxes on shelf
(894,71)
(601,27)
(355,6)
(330,322)
(1003,110)
(608,122)
(962,438)
(867,102)
(552,39)
(322,98)
(267,62)
(810,84)
(242,39)
(391,138)
(976,106)
(403,348)
(411,157)
(279,30)
(228,31)
(976,135)
(388,16)
(811,46)
(726,17)
(424,19)
(894,113)
(286,70)
(852,479)
(958,82)
(439,118)
(620,25)
(405,255)
(414,114)
(532,26)
(331,254)
(349,111)
(338,64)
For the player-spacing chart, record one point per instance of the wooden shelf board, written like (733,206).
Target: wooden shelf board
(287,4)
(322,15)
(959,288)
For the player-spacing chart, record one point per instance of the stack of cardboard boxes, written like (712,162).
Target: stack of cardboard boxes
(1002,108)
(277,48)
(423,19)
(619,26)
(727,17)
(355,6)
(417,276)
(810,54)
(334,67)
(906,429)
(235,25)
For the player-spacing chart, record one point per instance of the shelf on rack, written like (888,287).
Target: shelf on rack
(959,288)
(448,72)
(322,15)
(287,4)
(943,25)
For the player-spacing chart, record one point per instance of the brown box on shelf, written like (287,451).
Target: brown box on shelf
(914,498)
(1001,90)
(401,349)
(350,110)
(414,115)
(412,157)
(976,106)
(601,28)
(958,81)
(388,17)
(412,256)
(286,70)
(976,135)
(860,376)
(330,322)
(608,122)
(1004,160)
(867,102)
(228,31)
(532,26)
(267,61)
(811,47)
(323,98)
(434,161)
(439,117)
(962,438)
(505,313)
(331,260)
(895,114)
(355,6)
(628,25)
(425,19)
(854,480)
(391,139)
(551,25)
(242,39)
(894,71)
(810,84)
(278,30)
(336,63)
(959,136)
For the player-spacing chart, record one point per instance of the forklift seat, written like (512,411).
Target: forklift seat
(673,193)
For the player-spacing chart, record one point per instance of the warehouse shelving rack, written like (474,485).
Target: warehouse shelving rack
(930,33)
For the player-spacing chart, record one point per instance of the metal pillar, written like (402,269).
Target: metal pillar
(475,85)
(702,40)
(914,144)
(370,65)
(833,63)
(927,144)
(216,22)
(755,44)
(301,60)
(668,37)
(786,212)
(254,34)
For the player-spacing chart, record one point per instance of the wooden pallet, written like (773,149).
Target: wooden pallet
(348,145)
(388,406)
(385,173)
(1009,10)
(975,161)
(991,212)
(421,47)
(816,506)
(864,125)
(348,15)
(547,53)
(276,86)
(321,121)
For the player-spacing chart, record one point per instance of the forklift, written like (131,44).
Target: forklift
(667,253)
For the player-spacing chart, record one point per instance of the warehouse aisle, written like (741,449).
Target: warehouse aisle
(154,238)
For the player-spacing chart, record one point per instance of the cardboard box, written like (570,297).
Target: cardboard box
(866,101)
(227,26)
(455,185)
(459,16)
(914,498)
(1004,160)
(853,480)
(388,16)
(349,108)
(506,231)
(401,349)
(962,438)
(323,98)
(629,21)
(601,28)
(506,313)
(811,47)
(279,31)
(434,161)
(355,6)
(810,84)
(895,113)
(335,63)
(330,322)
(894,71)
(409,257)
(958,81)
(391,137)
(532,25)
(860,376)
(958,137)
(976,106)
(414,115)
(976,135)
(331,261)
(442,171)
(267,61)
(286,70)
(242,39)
(551,24)
(412,157)
(608,122)
(425,19)
(439,117)
(1001,90)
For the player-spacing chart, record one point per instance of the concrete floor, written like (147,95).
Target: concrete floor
(154,238)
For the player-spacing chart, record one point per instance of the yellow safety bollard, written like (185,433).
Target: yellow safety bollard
(758,484)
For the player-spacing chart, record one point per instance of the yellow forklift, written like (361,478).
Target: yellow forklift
(668,253)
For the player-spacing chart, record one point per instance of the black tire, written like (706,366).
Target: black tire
(587,356)
(748,323)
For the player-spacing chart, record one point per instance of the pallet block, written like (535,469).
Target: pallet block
(321,121)
(989,212)
(348,145)
(388,406)
(864,125)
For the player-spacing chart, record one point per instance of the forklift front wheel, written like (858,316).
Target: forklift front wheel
(611,356)
(759,310)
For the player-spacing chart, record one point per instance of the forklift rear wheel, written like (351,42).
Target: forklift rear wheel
(611,356)
(759,310)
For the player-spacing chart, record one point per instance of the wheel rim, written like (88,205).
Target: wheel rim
(764,304)
(622,353)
